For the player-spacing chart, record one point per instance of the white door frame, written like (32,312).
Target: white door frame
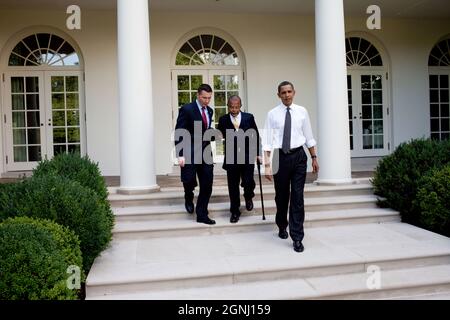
(357,120)
(46,120)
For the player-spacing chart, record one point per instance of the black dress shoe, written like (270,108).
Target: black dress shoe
(189,205)
(298,246)
(234,218)
(249,204)
(283,234)
(206,221)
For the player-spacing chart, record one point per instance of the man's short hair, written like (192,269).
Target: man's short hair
(235,96)
(204,87)
(285,83)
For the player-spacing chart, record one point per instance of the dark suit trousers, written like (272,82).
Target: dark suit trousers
(204,172)
(234,175)
(289,183)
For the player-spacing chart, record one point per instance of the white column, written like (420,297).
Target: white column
(136,136)
(333,130)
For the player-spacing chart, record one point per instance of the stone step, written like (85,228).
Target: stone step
(187,226)
(179,263)
(400,284)
(178,211)
(220,194)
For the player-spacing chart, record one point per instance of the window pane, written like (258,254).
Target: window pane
(183,98)
(377,97)
(17,85)
(219,82)
(58,149)
(18,102)
(350,125)
(365,82)
(57,84)
(366,97)
(34,153)
(34,136)
(196,81)
(378,112)
(218,112)
(350,112)
(445,135)
(59,135)
(367,127)
(182,60)
(434,125)
(367,112)
(232,82)
(378,142)
(444,96)
(435,136)
(73,118)
(367,142)
(219,99)
(195,42)
(33,119)
(19,136)
(444,110)
(434,82)
(20,154)
(31,43)
(18,119)
(16,60)
(59,119)
(443,81)
(72,101)
(32,101)
(58,101)
(376,82)
(32,84)
(72,83)
(445,124)
(55,42)
(73,134)
(434,96)
(351,143)
(183,82)
(378,126)
(434,110)
(206,39)
(74,148)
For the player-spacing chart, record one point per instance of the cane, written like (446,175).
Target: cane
(260,188)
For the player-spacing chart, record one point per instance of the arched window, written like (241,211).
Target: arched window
(440,55)
(43,49)
(206,49)
(361,52)
(439,78)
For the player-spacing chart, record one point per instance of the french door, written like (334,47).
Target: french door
(368,113)
(44,116)
(224,83)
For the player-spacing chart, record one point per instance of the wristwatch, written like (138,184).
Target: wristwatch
(313,157)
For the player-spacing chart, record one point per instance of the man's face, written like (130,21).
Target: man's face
(286,94)
(204,98)
(234,107)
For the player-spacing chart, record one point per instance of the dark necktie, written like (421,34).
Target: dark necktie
(205,121)
(286,146)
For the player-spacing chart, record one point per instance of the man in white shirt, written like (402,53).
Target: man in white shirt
(287,129)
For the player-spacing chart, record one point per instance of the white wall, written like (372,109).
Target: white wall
(276,48)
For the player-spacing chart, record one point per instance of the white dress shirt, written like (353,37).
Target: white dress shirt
(301,132)
(238,119)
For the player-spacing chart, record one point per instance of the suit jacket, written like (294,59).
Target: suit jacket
(188,115)
(252,143)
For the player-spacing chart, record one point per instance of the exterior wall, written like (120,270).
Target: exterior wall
(276,48)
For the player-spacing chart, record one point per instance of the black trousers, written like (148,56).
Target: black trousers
(289,185)
(204,172)
(236,173)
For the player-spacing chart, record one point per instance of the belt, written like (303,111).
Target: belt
(291,150)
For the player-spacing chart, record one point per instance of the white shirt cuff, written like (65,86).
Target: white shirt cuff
(311,143)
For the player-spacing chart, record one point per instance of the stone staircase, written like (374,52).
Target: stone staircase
(159,251)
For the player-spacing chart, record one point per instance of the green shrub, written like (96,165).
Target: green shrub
(67,241)
(66,202)
(397,175)
(74,167)
(433,201)
(31,264)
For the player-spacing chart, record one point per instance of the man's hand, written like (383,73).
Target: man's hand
(181,161)
(315,165)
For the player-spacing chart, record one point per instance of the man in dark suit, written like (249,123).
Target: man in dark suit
(193,122)
(241,146)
